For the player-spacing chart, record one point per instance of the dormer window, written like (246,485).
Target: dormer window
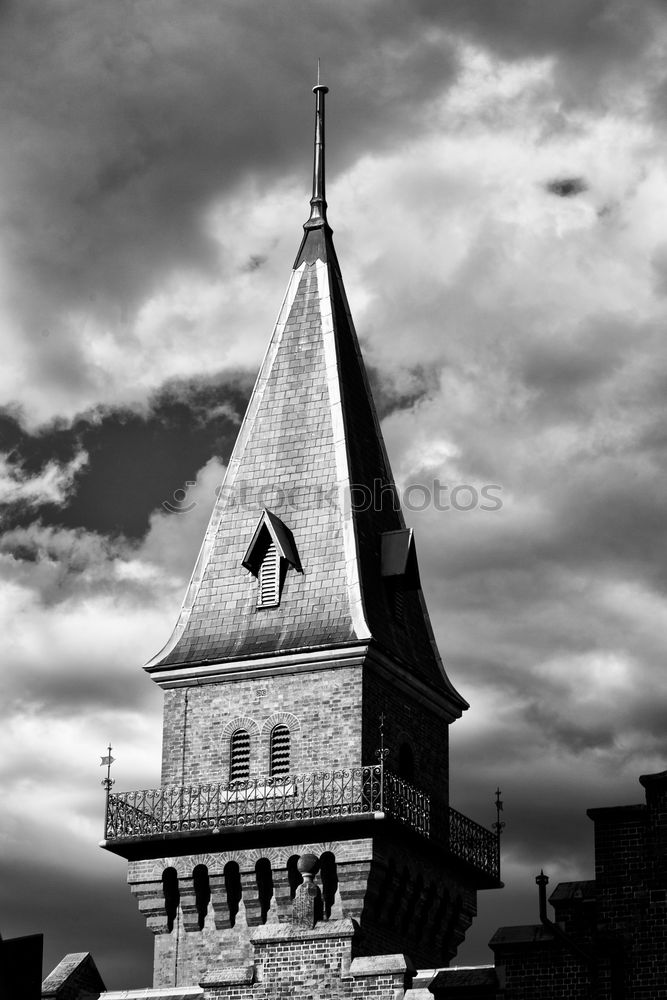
(399,570)
(270,553)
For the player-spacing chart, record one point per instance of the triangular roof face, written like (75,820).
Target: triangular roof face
(278,532)
(310,449)
(76,975)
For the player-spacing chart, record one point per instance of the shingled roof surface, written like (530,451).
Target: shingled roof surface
(310,450)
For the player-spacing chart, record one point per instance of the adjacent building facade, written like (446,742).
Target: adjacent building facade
(608,936)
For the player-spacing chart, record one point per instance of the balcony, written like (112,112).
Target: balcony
(345,794)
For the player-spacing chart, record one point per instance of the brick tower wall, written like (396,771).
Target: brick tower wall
(322,709)
(399,899)
(407,721)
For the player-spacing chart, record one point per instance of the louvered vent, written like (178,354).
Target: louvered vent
(239,756)
(280,750)
(399,606)
(268,578)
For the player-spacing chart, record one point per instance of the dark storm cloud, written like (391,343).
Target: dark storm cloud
(115,933)
(399,391)
(566,187)
(136,460)
(255,262)
(75,687)
(574,367)
(590,36)
(124,122)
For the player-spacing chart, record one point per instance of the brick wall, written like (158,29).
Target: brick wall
(546,971)
(399,891)
(631,881)
(619,919)
(407,720)
(293,964)
(322,709)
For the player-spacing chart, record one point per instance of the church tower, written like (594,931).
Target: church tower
(304,793)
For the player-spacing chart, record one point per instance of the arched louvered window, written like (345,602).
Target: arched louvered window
(269,579)
(239,755)
(280,750)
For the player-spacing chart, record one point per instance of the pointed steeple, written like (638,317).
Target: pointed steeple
(310,453)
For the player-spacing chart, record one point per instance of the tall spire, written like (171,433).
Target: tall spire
(310,450)
(318,203)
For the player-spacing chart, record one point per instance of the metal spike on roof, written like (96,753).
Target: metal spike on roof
(318,203)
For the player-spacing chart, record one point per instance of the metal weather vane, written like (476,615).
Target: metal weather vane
(107,784)
(108,761)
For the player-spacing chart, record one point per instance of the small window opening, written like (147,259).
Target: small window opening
(172,896)
(410,911)
(294,876)
(329,877)
(439,918)
(233,889)
(382,899)
(279,762)
(202,892)
(269,579)
(239,755)
(264,877)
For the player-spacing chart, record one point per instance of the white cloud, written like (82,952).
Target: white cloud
(52,485)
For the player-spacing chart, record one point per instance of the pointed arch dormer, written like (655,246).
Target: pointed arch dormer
(269,555)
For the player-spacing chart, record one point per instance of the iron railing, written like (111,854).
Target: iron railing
(474,844)
(257,802)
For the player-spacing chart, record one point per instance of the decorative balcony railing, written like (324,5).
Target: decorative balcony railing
(474,844)
(258,802)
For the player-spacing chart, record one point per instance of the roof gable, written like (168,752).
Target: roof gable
(282,539)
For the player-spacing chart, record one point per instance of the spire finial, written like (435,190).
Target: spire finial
(318,204)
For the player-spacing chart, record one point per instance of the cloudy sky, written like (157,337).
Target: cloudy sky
(498,190)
